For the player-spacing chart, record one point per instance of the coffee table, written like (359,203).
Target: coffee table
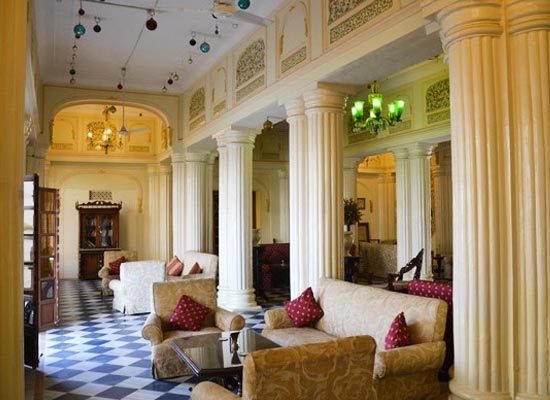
(220,356)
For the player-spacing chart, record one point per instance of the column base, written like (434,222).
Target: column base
(462,392)
(237,299)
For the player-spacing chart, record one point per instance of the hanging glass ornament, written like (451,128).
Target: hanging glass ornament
(151,24)
(164,90)
(119,86)
(74,49)
(176,77)
(72,71)
(72,81)
(97,28)
(79,30)
(243,4)
(204,47)
(81,11)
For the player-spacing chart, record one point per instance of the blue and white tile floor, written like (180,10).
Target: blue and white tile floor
(98,353)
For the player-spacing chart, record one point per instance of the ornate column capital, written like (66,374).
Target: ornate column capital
(324,99)
(295,107)
(527,15)
(244,136)
(178,158)
(201,157)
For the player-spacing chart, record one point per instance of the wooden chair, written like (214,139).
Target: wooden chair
(395,280)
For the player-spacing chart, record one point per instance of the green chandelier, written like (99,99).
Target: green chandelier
(375,121)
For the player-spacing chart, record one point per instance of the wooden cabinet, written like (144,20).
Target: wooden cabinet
(98,231)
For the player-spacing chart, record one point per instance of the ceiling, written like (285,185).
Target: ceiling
(148,56)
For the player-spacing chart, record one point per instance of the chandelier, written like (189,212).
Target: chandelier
(102,134)
(375,121)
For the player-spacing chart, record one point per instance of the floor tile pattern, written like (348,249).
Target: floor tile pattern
(98,353)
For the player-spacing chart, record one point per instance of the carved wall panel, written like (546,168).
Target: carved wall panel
(293,37)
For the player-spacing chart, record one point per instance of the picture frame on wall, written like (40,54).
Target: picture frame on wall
(361,203)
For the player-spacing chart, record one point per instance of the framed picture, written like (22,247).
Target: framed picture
(361,203)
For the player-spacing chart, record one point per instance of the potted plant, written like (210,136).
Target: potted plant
(352,215)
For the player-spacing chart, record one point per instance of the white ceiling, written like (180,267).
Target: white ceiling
(100,56)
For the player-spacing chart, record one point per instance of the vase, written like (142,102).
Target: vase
(348,242)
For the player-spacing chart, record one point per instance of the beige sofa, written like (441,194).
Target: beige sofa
(208,263)
(336,370)
(404,373)
(108,257)
(165,362)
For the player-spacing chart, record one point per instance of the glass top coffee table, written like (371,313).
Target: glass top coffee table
(220,355)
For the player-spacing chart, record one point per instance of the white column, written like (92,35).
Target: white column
(402,183)
(283,206)
(12,108)
(235,291)
(324,111)
(386,207)
(498,55)
(529,35)
(158,213)
(298,195)
(196,201)
(209,187)
(443,201)
(178,204)
(350,177)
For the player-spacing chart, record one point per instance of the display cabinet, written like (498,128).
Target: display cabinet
(98,231)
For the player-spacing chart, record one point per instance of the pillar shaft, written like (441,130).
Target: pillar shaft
(197,196)
(443,201)
(235,191)
(386,207)
(159,216)
(178,204)
(350,177)
(324,111)
(12,108)
(298,195)
(283,206)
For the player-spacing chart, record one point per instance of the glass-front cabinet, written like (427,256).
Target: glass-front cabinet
(98,222)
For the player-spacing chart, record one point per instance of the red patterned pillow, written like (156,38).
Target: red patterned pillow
(174,267)
(114,266)
(304,309)
(188,315)
(398,335)
(195,269)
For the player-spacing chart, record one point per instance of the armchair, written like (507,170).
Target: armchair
(132,292)
(165,362)
(104,273)
(341,369)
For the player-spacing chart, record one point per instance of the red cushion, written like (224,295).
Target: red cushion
(174,267)
(195,269)
(304,309)
(188,315)
(114,266)
(398,335)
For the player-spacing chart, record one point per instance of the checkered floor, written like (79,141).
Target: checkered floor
(98,353)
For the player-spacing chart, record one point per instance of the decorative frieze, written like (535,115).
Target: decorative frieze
(294,59)
(437,96)
(359,19)
(250,88)
(338,8)
(251,63)
(220,108)
(401,126)
(138,149)
(197,122)
(61,146)
(197,104)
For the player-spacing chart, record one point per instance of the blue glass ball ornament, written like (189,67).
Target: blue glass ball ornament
(243,4)
(205,47)
(79,29)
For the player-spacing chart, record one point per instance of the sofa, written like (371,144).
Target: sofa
(132,291)
(409,372)
(156,329)
(340,369)
(207,262)
(105,273)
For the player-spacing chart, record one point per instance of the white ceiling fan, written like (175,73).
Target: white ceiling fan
(123,131)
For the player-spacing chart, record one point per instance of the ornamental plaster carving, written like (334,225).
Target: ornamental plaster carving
(138,149)
(337,8)
(438,96)
(293,37)
(220,108)
(197,122)
(197,103)
(250,88)
(359,19)
(294,59)
(251,63)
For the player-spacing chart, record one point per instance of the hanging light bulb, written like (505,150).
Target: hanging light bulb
(193,41)
(164,89)
(97,28)
(175,77)
(204,47)
(243,4)
(190,59)
(151,24)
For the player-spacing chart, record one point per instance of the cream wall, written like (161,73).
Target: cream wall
(128,184)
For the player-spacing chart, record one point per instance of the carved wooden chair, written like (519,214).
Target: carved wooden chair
(395,280)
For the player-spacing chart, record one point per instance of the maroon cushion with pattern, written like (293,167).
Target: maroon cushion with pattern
(195,269)
(188,315)
(114,266)
(304,309)
(174,267)
(398,335)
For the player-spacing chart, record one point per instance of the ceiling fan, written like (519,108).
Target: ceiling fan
(123,131)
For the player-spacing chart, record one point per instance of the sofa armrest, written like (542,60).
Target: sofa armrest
(277,319)
(228,321)
(152,329)
(409,359)
(103,272)
(212,391)
(116,286)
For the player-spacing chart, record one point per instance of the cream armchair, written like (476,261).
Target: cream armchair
(132,292)
(341,369)
(103,273)
(165,362)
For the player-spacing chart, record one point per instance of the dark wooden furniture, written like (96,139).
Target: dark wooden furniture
(351,268)
(220,355)
(98,232)
(395,280)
